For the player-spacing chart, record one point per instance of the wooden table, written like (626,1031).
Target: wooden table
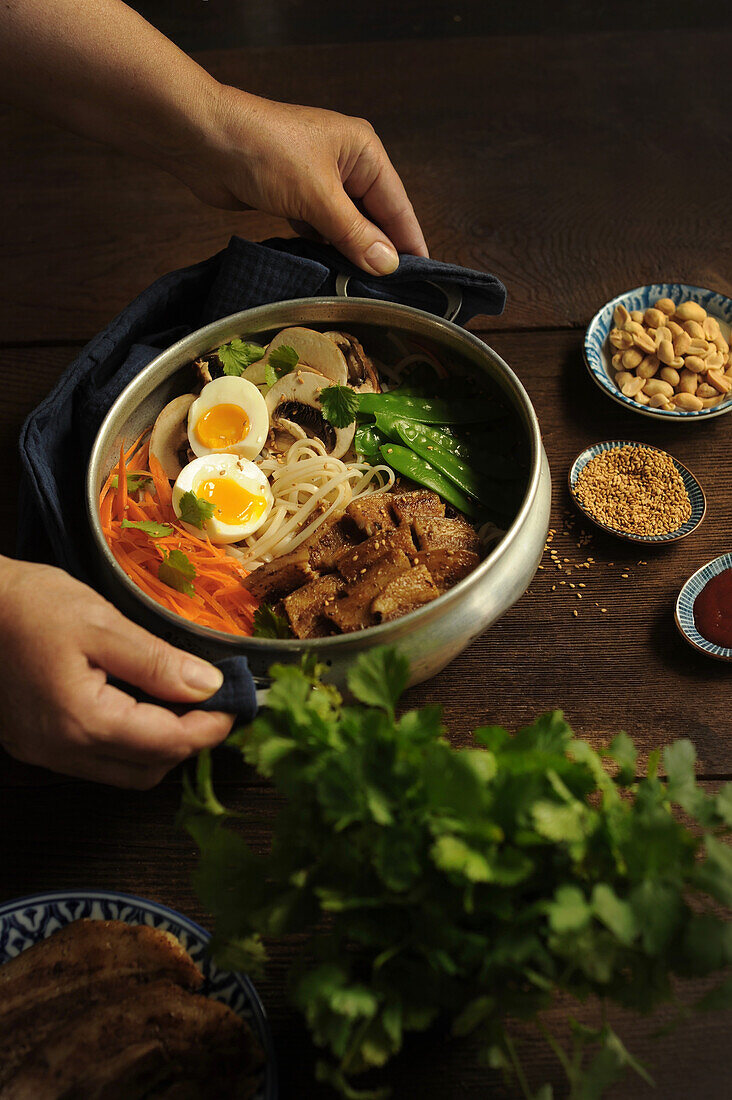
(573,167)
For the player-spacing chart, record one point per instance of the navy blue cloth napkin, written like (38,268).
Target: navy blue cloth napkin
(57,437)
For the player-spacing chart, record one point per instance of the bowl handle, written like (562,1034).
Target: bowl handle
(453,294)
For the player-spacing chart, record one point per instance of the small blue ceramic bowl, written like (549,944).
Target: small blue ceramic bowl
(25,921)
(598,357)
(684,611)
(696,494)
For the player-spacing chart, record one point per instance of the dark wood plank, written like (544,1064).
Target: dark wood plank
(79,835)
(548,160)
(228,24)
(626,668)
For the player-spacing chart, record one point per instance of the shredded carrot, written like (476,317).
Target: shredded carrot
(220,600)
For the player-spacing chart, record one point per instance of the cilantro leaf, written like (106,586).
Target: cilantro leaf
(339,405)
(268,624)
(238,355)
(379,677)
(280,362)
(177,572)
(195,510)
(150,527)
(135,482)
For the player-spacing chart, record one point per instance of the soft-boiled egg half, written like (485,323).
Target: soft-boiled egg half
(229,414)
(238,490)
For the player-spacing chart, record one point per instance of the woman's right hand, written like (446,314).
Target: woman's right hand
(59,641)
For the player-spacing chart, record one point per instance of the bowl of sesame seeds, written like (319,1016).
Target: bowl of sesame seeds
(636,492)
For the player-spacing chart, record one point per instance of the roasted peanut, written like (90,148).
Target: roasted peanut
(664,332)
(622,378)
(705,390)
(694,329)
(634,387)
(715,361)
(721,344)
(687,401)
(657,400)
(632,358)
(670,375)
(617,360)
(674,328)
(719,381)
(688,381)
(620,339)
(666,306)
(698,347)
(641,398)
(709,402)
(620,315)
(711,328)
(691,311)
(636,315)
(666,352)
(653,318)
(657,385)
(682,343)
(695,363)
(648,367)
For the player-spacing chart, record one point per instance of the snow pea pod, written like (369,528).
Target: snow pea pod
(367,441)
(410,465)
(429,410)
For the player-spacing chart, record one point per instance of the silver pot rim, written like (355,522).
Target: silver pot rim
(208,336)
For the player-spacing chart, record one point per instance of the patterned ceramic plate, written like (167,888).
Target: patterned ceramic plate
(24,921)
(595,348)
(684,612)
(696,494)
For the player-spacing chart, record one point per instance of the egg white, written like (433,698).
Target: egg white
(241,470)
(230,390)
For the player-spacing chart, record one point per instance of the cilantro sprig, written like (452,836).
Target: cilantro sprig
(178,572)
(281,361)
(150,527)
(135,482)
(268,624)
(195,510)
(339,405)
(238,355)
(473,886)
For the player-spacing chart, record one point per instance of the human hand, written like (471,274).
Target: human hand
(59,641)
(310,166)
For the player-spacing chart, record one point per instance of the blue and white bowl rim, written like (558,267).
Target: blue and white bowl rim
(685,606)
(641,297)
(255,1012)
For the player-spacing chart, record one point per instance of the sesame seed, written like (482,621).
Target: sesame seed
(625,575)
(575,612)
(603,609)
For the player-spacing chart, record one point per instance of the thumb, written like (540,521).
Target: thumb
(340,221)
(130,653)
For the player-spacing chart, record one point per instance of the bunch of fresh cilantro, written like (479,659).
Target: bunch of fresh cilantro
(462,887)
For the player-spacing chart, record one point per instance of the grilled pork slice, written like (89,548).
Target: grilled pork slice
(447,567)
(439,533)
(135,1046)
(330,541)
(85,962)
(276,579)
(372,513)
(411,503)
(354,562)
(305,606)
(405,593)
(353,610)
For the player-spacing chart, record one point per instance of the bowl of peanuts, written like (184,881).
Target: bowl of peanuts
(664,351)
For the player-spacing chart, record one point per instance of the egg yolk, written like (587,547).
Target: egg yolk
(222,426)
(232,503)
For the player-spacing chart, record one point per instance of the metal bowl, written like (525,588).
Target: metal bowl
(431,636)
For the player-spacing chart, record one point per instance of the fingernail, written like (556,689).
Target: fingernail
(382,258)
(202,676)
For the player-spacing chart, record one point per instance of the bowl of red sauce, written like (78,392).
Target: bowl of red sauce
(704,609)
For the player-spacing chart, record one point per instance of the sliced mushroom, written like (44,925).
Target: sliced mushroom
(202,372)
(362,375)
(295,400)
(314,351)
(170,435)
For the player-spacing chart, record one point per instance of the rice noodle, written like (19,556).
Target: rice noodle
(308,486)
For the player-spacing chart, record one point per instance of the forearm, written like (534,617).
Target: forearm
(97,67)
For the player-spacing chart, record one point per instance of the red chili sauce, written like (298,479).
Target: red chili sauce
(713,610)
